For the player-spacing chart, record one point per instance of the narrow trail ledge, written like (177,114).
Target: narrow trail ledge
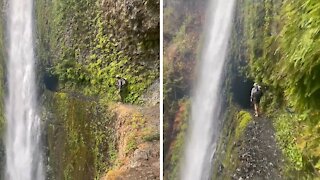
(137,134)
(247,149)
(259,156)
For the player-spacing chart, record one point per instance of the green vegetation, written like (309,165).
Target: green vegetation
(131,144)
(286,137)
(136,124)
(243,119)
(281,40)
(174,158)
(81,138)
(230,142)
(87,43)
(152,137)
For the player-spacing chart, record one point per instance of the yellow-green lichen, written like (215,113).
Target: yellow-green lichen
(243,119)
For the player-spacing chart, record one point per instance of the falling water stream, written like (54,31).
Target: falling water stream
(23,155)
(203,131)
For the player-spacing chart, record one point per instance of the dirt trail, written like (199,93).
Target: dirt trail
(259,156)
(134,123)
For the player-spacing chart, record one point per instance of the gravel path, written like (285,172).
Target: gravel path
(259,155)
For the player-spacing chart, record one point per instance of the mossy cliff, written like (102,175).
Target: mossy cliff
(232,132)
(87,138)
(80,136)
(81,47)
(85,44)
(271,40)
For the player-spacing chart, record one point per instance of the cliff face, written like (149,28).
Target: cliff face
(88,138)
(81,47)
(80,136)
(86,44)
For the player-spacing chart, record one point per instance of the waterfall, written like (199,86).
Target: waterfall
(203,131)
(23,155)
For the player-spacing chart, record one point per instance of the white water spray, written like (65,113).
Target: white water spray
(23,155)
(203,130)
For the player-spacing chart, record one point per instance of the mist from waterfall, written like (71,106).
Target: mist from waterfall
(206,104)
(23,155)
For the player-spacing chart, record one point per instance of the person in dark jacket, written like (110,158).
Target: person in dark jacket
(256,94)
(121,85)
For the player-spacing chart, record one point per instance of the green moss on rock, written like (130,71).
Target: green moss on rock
(87,43)
(243,119)
(235,123)
(80,136)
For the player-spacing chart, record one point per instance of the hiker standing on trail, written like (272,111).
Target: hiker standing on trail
(121,83)
(255,97)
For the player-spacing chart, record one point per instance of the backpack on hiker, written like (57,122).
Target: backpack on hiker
(121,82)
(256,94)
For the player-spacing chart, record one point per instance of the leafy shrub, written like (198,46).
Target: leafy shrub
(86,47)
(286,136)
(131,144)
(281,39)
(152,137)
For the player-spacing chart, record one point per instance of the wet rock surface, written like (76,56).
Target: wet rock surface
(152,95)
(259,157)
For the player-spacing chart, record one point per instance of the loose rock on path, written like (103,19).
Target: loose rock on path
(259,156)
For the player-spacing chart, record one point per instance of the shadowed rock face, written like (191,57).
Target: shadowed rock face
(241,88)
(51,82)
